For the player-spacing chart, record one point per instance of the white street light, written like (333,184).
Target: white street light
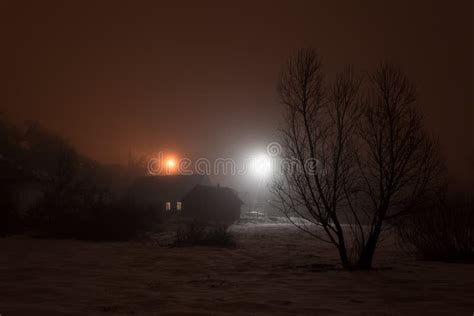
(261,166)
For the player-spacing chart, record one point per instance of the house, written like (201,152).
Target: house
(212,203)
(188,196)
(164,192)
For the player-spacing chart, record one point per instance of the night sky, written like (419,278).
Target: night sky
(199,78)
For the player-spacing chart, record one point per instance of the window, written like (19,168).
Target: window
(168,206)
(178,206)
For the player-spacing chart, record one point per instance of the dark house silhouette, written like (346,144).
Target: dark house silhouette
(212,203)
(188,196)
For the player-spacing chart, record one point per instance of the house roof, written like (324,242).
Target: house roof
(213,193)
(154,189)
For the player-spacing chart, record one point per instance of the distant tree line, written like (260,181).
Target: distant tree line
(73,200)
(72,203)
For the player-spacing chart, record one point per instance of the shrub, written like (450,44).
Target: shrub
(443,230)
(203,234)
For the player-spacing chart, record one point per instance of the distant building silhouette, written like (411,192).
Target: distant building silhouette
(190,196)
(212,203)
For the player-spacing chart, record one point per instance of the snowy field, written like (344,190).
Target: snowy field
(275,270)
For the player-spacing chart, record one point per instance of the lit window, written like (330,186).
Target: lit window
(178,206)
(168,206)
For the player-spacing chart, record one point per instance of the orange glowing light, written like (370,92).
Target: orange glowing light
(170,163)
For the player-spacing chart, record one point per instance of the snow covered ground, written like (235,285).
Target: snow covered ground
(275,270)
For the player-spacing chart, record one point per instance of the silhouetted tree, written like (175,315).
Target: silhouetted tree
(74,206)
(63,196)
(6,209)
(10,138)
(357,160)
(399,165)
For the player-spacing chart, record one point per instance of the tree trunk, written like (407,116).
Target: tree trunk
(346,264)
(367,255)
(365,260)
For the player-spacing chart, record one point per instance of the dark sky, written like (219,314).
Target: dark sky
(198,78)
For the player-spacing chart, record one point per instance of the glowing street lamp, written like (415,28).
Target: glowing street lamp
(170,165)
(261,166)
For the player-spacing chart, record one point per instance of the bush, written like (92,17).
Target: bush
(203,234)
(443,230)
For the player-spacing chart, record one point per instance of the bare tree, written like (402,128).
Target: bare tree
(398,163)
(320,124)
(359,161)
